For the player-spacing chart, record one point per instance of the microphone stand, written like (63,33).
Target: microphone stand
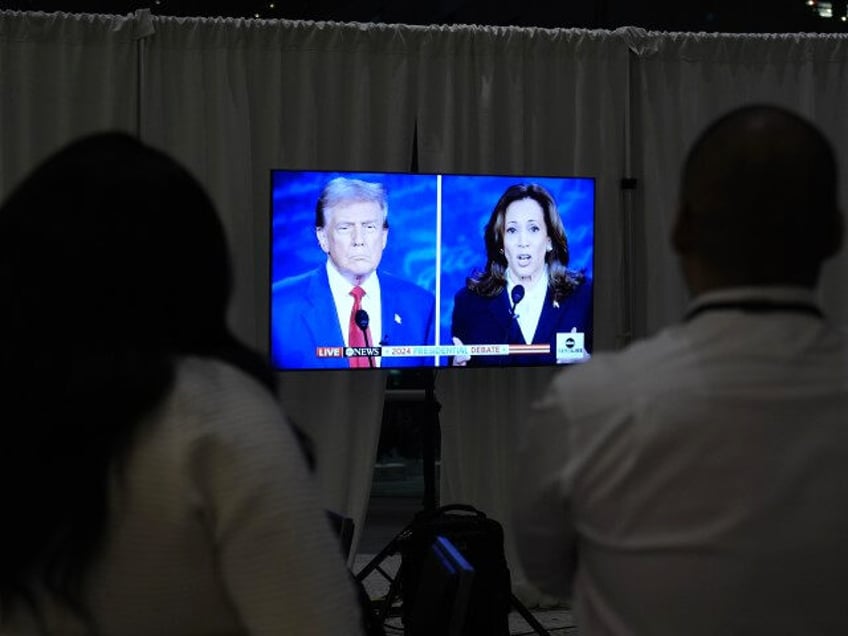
(516,297)
(362,319)
(368,344)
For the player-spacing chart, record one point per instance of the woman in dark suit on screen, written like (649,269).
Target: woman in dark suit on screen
(526,294)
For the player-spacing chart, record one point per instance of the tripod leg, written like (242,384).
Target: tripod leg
(528,616)
(385,605)
(373,564)
(390,595)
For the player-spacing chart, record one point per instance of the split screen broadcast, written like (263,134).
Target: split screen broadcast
(429,270)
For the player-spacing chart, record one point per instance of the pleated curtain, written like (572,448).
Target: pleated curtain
(233,98)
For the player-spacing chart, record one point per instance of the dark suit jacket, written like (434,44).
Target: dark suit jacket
(480,320)
(304,317)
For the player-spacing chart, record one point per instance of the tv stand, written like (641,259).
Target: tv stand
(424,388)
(429,432)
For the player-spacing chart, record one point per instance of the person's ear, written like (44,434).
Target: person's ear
(321,234)
(834,235)
(682,234)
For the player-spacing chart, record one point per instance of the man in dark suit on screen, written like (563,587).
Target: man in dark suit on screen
(347,302)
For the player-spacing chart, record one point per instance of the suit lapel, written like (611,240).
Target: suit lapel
(500,311)
(392,312)
(321,316)
(547,320)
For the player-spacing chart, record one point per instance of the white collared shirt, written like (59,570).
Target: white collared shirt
(695,482)
(529,309)
(340,289)
(218,442)
(773,294)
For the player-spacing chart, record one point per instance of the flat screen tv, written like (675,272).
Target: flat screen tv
(416,271)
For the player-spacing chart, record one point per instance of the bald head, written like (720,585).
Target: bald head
(758,202)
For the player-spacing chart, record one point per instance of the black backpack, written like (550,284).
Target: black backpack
(481,541)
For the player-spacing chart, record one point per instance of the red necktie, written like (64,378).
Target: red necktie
(356,337)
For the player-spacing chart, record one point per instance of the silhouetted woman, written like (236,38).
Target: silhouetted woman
(150,483)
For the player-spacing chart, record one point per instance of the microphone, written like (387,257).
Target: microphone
(361,319)
(517,294)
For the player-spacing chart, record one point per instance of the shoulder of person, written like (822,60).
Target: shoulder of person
(632,373)
(585,285)
(297,281)
(582,289)
(465,296)
(217,386)
(390,280)
(213,404)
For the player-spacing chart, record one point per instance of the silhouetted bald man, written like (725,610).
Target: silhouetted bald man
(696,482)
(758,203)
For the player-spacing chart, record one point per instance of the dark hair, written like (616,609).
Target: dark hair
(758,198)
(492,280)
(346,190)
(113,262)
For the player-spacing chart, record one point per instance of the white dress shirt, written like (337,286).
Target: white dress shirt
(529,309)
(697,482)
(217,526)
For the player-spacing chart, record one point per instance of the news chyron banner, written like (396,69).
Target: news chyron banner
(569,348)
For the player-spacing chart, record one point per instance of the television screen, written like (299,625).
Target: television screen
(410,270)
